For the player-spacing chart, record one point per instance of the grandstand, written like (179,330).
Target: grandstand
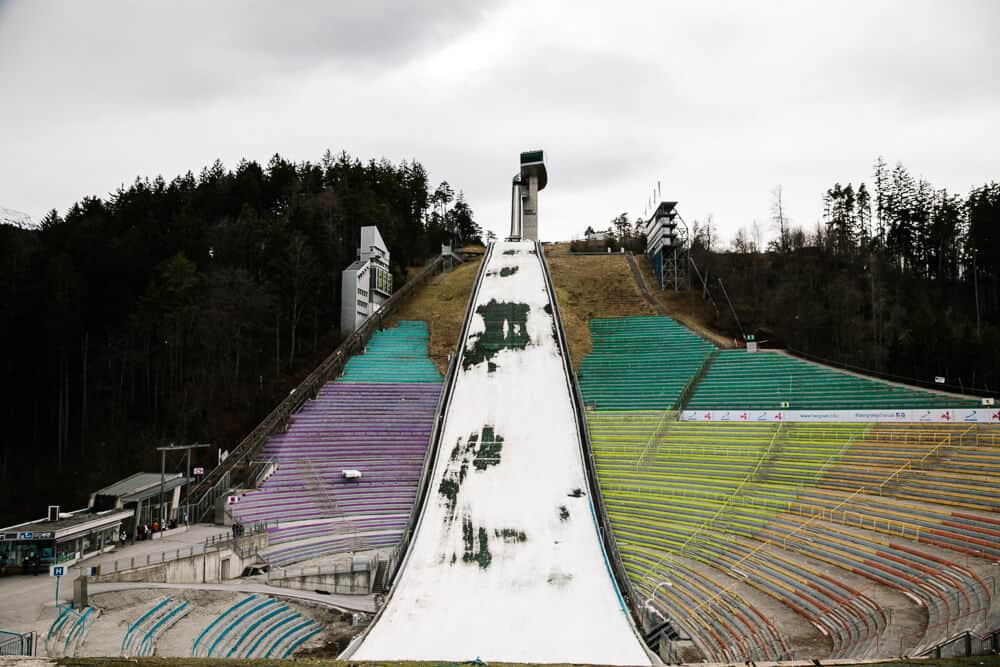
(376,420)
(773,380)
(734,539)
(779,540)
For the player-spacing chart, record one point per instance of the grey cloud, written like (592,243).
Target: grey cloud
(181,52)
(720,101)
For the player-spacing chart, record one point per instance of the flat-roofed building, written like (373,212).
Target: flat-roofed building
(140,493)
(367,283)
(61,538)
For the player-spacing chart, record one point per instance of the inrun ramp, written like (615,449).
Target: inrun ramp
(507,563)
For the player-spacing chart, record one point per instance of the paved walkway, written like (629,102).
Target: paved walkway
(640,282)
(28,602)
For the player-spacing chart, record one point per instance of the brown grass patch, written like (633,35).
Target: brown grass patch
(441,303)
(589,286)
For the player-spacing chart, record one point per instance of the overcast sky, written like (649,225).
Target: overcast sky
(718,101)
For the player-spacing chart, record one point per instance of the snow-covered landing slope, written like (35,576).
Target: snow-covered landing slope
(506,563)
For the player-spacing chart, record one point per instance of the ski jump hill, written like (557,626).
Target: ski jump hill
(507,561)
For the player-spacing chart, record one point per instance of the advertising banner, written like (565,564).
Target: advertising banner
(938,416)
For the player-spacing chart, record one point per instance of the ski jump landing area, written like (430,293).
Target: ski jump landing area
(506,563)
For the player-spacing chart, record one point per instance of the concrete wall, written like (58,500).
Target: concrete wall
(343,582)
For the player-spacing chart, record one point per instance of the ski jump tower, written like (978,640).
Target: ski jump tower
(524,196)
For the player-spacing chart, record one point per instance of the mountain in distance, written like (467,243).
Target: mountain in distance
(9,216)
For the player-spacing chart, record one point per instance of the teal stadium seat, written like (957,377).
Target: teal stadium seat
(640,363)
(770,380)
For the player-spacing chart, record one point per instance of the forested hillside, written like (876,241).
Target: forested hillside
(897,278)
(182,311)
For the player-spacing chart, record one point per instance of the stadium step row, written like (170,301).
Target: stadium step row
(68,630)
(255,627)
(639,362)
(141,635)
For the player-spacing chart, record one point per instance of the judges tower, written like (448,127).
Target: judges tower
(532,178)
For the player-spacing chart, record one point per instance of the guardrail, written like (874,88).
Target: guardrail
(212,485)
(17,643)
(970,644)
(399,553)
(603,522)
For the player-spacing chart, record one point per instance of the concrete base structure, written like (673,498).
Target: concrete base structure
(346,581)
(207,567)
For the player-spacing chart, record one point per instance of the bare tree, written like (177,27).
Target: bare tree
(758,236)
(742,242)
(778,218)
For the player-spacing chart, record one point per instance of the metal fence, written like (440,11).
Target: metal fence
(17,643)
(240,545)
(965,645)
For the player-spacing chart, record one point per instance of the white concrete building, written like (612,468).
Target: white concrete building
(367,283)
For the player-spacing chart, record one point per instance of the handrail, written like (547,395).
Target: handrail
(616,566)
(248,448)
(661,428)
(78,629)
(968,635)
(820,514)
(300,640)
(249,652)
(685,396)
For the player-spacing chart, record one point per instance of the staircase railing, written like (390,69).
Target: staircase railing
(685,396)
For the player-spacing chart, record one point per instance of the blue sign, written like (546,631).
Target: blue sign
(58,570)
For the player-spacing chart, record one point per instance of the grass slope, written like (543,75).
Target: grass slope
(589,286)
(441,303)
